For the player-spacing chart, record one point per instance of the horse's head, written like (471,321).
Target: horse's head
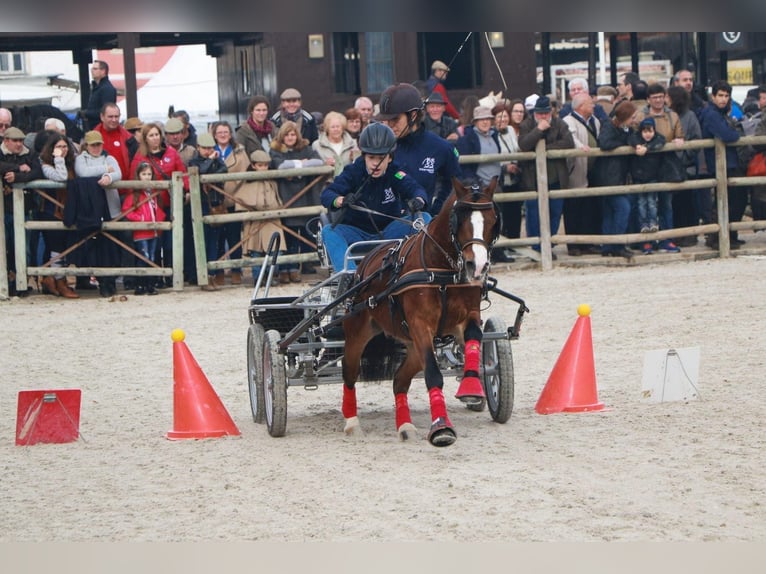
(474,227)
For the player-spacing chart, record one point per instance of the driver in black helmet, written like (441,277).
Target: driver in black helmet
(376,198)
(431,160)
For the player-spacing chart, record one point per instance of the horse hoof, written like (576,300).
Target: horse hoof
(470,400)
(352,427)
(407,431)
(441,434)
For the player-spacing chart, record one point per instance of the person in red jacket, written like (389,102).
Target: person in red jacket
(141,205)
(435,84)
(164,160)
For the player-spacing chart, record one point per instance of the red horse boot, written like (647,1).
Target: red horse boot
(471,390)
(441,432)
(349,411)
(404,426)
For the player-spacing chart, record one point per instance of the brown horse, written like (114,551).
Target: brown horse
(429,288)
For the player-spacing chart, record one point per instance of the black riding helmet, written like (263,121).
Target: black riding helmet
(399,99)
(377,139)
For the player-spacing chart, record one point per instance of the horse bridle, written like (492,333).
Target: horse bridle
(454,224)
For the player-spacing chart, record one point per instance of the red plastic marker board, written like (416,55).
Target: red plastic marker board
(48,416)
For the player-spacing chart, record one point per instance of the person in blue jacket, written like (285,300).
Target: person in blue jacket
(372,198)
(431,160)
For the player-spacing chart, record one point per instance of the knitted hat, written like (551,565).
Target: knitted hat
(647,123)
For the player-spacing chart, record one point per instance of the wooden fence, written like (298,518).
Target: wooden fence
(542,195)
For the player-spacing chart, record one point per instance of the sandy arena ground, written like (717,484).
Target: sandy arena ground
(681,471)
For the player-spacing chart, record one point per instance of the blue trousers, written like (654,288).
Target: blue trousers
(556,207)
(338,238)
(615,211)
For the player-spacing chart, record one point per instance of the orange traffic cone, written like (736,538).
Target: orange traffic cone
(197,410)
(571,386)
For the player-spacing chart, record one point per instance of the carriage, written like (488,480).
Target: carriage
(298,341)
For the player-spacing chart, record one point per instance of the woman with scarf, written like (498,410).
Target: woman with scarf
(258,130)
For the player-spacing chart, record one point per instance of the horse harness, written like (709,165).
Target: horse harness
(441,278)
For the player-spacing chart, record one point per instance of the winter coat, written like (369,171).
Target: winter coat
(246,136)
(432,162)
(88,166)
(715,124)
(556,137)
(259,195)
(579,167)
(12,162)
(646,168)
(387,194)
(236,162)
(469,144)
(149,211)
(611,170)
(209,165)
(284,158)
(163,163)
(349,151)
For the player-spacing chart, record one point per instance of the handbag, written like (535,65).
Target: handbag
(757,165)
(215,208)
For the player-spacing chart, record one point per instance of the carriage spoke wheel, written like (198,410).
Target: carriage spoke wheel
(274,385)
(497,371)
(255,336)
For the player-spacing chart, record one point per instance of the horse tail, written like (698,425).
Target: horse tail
(381,357)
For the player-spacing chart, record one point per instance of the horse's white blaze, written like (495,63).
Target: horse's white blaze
(480,255)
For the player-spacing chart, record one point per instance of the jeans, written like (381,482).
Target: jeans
(647,209)
(337,239)
(665,209)
(615,215)
(556,207)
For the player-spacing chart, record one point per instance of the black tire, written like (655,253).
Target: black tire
(274,384)
(497,371)
(255,337)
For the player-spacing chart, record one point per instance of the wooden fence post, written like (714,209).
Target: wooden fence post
(177,207)
(4,292)
(722,199)
(543,206)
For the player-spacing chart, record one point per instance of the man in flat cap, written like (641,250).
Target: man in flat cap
(435,83)
(290,110)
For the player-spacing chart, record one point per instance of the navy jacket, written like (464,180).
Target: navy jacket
(714,124)
(387,194)
(101,93)
(432,161)
(469,145)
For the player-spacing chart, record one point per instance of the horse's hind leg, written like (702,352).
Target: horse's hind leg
(470,390)
(352,357)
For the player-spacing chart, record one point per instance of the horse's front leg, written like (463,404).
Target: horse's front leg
(471,390)
(441,432)
(402,381)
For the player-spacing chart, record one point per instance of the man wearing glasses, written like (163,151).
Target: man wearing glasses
(101,92)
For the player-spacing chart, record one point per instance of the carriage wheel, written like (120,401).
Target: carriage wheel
(497,375)
(274,384)
(255,336)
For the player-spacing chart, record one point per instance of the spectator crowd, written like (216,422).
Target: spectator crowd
(430,133)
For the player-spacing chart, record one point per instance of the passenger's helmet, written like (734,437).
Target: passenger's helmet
(377,139)
(399,99)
